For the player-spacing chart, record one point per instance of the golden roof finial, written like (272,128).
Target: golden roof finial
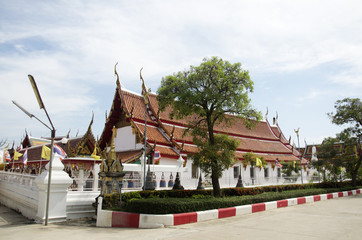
(145,92)
(297,131)
(115,72)
(91,122)
(266,114)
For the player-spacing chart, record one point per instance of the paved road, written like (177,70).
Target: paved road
(332,219)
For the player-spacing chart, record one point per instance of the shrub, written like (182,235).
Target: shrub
(200,196)
(198,203)
(112,201)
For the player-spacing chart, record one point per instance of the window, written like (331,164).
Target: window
(251,172)
(195,172)
(236,171)
(279,173)
(266,172)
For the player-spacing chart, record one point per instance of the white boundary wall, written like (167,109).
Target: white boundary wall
(19,192)
(27,194)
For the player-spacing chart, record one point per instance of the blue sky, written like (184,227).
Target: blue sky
(301,55)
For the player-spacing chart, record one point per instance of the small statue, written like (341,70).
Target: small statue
(111,171)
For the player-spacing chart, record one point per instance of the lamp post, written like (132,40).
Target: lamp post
(300,156)
(52,130)
(145,148)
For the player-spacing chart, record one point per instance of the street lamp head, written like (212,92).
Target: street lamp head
(36,91)
(22,109)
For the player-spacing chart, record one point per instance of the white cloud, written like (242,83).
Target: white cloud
(351,77)
(312,95)
(85,39)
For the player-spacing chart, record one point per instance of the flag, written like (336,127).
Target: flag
(25,157)
(277,163)
(60,151)
(94,154)
(293,164)
(258,162)
(17,155)
(156,156)
(45,152)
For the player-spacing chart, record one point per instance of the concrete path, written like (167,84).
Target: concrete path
(9,217)
(339,218)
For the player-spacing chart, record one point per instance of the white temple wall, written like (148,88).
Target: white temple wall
(167,161)
(126,140)
(190,175)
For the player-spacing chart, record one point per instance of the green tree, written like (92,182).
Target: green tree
(214,92)
(350,156)
(329,158)
(349,112)
(289,167)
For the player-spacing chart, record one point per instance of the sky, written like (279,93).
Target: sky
(302,56)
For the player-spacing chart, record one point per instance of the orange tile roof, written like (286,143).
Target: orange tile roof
(153,134)
(263,139)
(127,155)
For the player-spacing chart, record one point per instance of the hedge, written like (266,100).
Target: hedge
(182,205)
(177,201)
(229,191)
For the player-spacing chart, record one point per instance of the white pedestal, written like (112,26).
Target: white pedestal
(60,182)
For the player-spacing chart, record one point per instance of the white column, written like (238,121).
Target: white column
(95,177)
(60,182)
(81,178)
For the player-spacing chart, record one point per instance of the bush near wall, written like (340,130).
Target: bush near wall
(111,201)
(177,201)
(183,205)
(229,191)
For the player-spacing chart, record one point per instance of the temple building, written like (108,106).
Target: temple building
(81,158)
(165,136)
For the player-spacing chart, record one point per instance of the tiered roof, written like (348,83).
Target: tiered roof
(76,147)
(128,109)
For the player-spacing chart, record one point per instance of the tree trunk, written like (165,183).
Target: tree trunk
(214,168)
(215,184)
(355,171)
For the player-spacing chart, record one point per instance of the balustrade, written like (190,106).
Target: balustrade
(26,180)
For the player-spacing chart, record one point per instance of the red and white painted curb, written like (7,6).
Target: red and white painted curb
(136,220)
